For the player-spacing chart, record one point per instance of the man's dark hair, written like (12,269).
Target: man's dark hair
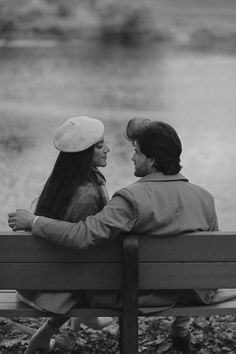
(158,140)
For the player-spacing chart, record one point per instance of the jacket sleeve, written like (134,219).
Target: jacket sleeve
(214,223)
(118,216)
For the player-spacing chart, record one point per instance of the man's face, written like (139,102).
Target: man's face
(142,164)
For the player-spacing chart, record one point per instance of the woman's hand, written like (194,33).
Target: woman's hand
(21,219)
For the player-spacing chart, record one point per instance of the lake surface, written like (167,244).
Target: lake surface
(42,86)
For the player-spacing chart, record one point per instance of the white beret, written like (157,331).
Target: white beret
(78,134)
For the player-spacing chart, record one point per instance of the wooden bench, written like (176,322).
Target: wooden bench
(128,263)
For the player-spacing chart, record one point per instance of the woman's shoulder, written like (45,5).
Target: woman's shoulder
(86,190)
(84,203)
(85,194)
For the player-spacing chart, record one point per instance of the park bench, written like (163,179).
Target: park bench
(127,263)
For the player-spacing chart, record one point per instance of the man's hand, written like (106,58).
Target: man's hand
(21,219)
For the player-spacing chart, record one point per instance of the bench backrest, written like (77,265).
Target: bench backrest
(27,262)
(194,260)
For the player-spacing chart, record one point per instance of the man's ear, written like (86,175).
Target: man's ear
(151,162)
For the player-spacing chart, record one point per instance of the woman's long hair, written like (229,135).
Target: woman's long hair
(69,172)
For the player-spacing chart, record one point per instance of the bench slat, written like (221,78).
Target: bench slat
(11,306)
(104,276)
(187,275)
(39,250)
(198,246)
(56,276)
(226,308)
(193,247)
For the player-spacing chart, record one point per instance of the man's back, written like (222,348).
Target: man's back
(170,204)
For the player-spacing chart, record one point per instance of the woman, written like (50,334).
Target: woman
(74,190)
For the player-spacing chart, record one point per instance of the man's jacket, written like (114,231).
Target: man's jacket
(156,204)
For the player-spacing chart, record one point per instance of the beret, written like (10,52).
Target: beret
(78,134)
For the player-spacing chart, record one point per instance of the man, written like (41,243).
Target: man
(162,202)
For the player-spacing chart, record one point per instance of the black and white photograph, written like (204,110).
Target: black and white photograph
(117,176)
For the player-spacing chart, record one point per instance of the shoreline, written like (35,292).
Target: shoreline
(181,42)
(171,23)
(197,37)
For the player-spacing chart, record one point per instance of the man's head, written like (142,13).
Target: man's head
(157,147)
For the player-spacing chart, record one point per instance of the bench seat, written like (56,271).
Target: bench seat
(12,307)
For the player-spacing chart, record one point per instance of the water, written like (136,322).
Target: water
(43,86)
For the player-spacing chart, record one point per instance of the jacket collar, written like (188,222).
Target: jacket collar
(100,178)
(160,177)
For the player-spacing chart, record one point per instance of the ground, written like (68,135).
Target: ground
(212,335)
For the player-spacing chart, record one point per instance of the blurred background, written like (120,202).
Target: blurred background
(171,60)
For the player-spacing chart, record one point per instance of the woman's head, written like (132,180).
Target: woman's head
(81,144)
(80,134)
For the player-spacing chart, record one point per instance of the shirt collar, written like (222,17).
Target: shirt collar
(160,177)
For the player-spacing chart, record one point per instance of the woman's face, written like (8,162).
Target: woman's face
(100,154)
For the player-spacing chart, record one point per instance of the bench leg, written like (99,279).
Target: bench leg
(128,341)
(129,315)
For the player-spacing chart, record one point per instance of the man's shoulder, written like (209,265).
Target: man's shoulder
(201,191)
(199,188)
(134,192)
(128,190)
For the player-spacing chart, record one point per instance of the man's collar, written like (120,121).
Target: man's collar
(160,177)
